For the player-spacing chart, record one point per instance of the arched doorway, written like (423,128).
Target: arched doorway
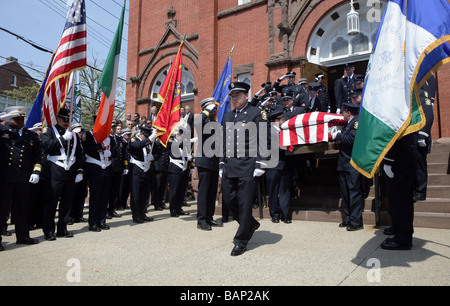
(330,47)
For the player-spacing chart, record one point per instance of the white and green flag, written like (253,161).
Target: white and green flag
(412,42)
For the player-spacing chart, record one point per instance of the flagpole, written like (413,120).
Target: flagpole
(72,91)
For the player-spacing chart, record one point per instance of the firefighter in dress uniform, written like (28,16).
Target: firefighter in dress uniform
(350,180)
(241,163)
(141,158)
(20,165)
(207,163)
(99,174)
(63,169)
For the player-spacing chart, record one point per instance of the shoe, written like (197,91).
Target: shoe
(148,219)
(65,234)
(27,240)
(275,220)
(108,216)
(389,231)
(95,228)
(237,250)
(182,213)
(1,247)
(287,221)
(79,220)
(224,219)
(419,197)
(174,214)
(204,226)
(138,220)
(115,215)
(103,226)
(389,244)
(352,228)
(254,229)
(163,206)
(344,224)
(215,223)
(158,208)
(50,237)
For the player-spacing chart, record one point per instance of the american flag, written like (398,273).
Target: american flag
(309,128)
(69,56)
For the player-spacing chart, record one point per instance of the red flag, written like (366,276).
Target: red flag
(170,94)
(70,56)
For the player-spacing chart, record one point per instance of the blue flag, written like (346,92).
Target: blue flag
(35,115)
(221,90)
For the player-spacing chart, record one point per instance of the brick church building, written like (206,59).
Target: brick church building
(271,37)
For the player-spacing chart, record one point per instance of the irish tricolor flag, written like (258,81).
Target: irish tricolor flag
(412,42)
(108,82)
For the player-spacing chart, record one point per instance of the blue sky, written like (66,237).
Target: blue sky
(42,21)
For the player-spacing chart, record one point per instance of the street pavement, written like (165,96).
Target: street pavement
(173,252)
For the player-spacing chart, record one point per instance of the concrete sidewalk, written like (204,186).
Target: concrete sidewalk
(172,251)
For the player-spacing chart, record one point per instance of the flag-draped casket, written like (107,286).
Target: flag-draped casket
(309,128)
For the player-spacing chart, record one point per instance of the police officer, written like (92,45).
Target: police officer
(313,101)
(125,181)
(179,156)
(427,94)
(99,174)
(241,162)
(262,94)
(323,93)
(289,110)
(20,165)
(207,163)
(280,178)
(119,164)
(290,86)
(141,158)
(399,167)
(350,179)
(343,86)
(63,169)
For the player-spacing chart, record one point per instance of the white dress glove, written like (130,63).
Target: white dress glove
(106,142)
(125,172)
(34,179)
(151,158)
(79,178)
(67,135)
(194,140)
(421,143)
(107,153)
(258,172)
(153,135)
(338,111)
(388,170)
(220,173)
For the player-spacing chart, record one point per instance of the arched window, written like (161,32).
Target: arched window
(360,43)
(187,84)
(339,47)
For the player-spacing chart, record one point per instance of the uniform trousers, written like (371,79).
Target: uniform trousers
(14,200)
(62,192)
(79,198)
(159,187)
(99,187)
(239,195)
(279,185)
(352,199)
(177,187)
(401,190)
(140,192)
(421,172)
(113,202)
(207,192)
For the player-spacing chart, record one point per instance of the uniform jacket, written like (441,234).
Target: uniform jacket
(93,150)
(161,155)
(51,146)
(136,149)
(206,128)
(20,156)
(239,162)
(179,158)
(342,90)
(347,139)
(119,154)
